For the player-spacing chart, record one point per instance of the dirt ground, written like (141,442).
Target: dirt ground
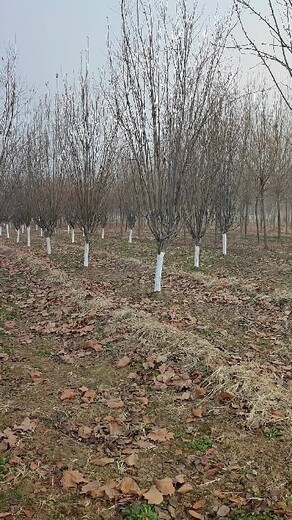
(112,397)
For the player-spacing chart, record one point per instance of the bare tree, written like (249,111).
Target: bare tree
(275,53)
(46,162)
(163,78)
(90,143)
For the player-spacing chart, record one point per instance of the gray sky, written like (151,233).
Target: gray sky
(50,34)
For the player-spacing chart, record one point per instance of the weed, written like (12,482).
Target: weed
(201,444)
(4,461)
(239,514)
(273,433)
(289,474)
(44,352)
(8,350)
(141,512)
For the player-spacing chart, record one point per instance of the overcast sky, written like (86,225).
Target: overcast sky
(51,33)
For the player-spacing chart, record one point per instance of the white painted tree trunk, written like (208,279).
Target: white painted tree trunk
(0,231)
(72,236)
(49,248)
(86,254)
(102,233)
(130,236)
(36,227)
(17,236)
(68,229)
(197,257)
(7,231)
(28,237)
(22,229)
(224,244)
(158,272)
(42,233)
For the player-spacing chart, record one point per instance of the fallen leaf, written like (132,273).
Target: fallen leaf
(6,515)
(115,427)
(103,461)
(165,486)
(143,400)
(225,396)
(160,435)
(91,486)
(240,501)
(89,396)
(27,425)
(129,486)
(68,394)
(197,412)
(194,514)
(200,392)
(84,432)
(114,403)
(153,496)
(223,511)
(132,460)
(123,362)
(71,478)
(199,504)
(93,344)
(28,513)
(185,488)
(11,438)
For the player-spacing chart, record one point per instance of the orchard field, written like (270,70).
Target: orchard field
(120,403)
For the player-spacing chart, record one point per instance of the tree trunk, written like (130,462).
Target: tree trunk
(264,220)
(130,236)
(72,235)
(17,236)
(102,233)
(86,254)
(197,256)
(49,247)
(158,271)
(28,236)
(279,219)
(7,231)
(224,244)
(246,220)
(256,210)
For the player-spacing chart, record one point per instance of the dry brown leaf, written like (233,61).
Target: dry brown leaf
(11,438)
(199,504)
(28,513)
(128,486)
(103,461)
(165,486)
(143,400)
(200,392)
(93,344)
(160,435)
(115,403)
(68,394)
(89,396)
(153,496)
(7,515)
(91,486)
(225,396)
(115,427)
(71,478)
(197,412)
(27,425)
(84,432)
(194,514)
(132,460)
(240,501)
(185,488)
(123,362)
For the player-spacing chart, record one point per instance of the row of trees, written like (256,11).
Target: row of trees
(167,135)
